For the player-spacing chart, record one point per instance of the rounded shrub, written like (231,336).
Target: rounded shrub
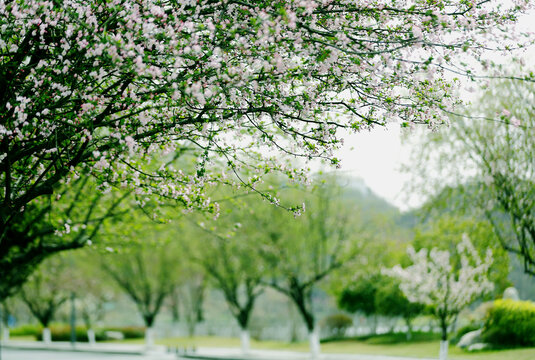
(129,332)
(510,323)
(337,324)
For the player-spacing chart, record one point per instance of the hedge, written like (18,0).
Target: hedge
(26,330)
(510,323)
(129,332)
(62,332)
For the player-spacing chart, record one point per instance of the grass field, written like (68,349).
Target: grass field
(373,346)
(420,349)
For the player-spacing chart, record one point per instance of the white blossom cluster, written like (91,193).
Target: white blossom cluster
(435,279)
(105,87)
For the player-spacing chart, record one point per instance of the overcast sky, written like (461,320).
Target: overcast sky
(376,157)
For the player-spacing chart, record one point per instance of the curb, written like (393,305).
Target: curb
(168,353)
(85,349)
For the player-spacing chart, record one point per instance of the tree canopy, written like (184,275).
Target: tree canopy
(497,162)
(446,232)
(435,280)
(121,90)
(97,87)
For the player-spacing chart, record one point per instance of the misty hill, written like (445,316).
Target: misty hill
(374,205)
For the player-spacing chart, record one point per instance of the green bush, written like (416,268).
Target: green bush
(337,324)
(26,330)
(129,332)
(389,338)
(401,338)
(62,332)
(510,323)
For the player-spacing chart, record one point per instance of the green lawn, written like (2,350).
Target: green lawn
(424,349)
(22,337)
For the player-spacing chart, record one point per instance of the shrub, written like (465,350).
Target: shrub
(129,332)
(401,338)
(62,332)
(26,330)
(510,323)
(337,324)
(390,338)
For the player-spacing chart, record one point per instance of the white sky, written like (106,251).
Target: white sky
(376,156)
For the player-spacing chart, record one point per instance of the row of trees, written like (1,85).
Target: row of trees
(254,245)
(250,247)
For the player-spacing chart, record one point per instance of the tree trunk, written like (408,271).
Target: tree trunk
(149,337)
(314,338)
(299,297)
(444,329)
(245,341)
(91,337)
(47,336)
(443,354)
(409,328)
(175,309)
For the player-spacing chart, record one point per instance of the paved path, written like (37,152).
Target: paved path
(236,354)
(15,350)
(106,348)
(27,354)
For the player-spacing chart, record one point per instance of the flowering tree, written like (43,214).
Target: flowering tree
(499,153)
(434,279)
(103,88)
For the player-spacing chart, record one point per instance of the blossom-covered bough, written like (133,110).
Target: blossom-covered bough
(446,282)
(122,89)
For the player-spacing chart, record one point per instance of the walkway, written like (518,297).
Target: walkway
(236,354)
(204,353)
